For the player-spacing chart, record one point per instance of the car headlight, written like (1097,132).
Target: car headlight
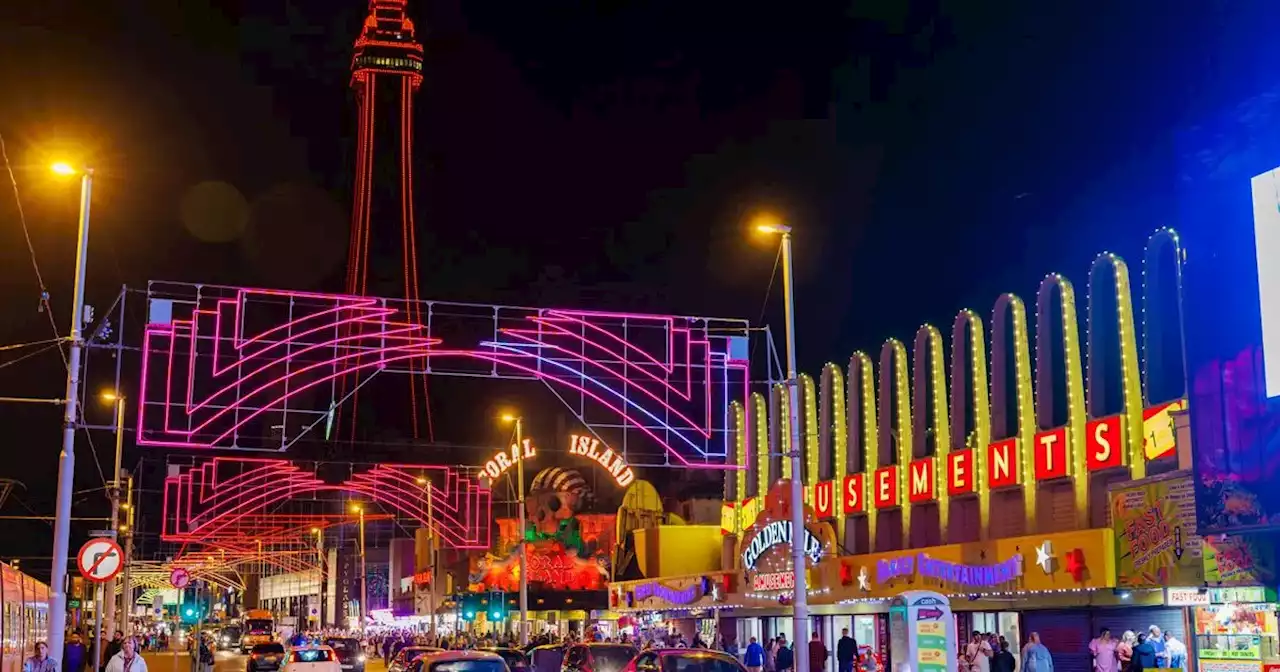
(360,658)
(226,640)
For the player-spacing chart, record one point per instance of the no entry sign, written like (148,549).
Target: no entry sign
(179,577)
(100,560)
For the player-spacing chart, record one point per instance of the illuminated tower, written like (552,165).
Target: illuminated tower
(386,71)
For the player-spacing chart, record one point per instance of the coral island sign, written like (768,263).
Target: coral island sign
(612,462)
(503,461)
(777,533)
(956,573)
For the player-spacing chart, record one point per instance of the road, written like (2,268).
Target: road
(223,661)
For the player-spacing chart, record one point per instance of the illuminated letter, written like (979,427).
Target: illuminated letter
(921,480)
(1051,454)
(822,495)
(491,469)
(961,474)
(529,450)
(853,502)
(1106,437)
(627,476)
(1002,463)
(887,486)
(504,463)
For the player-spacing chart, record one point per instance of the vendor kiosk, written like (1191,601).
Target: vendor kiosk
(922,633)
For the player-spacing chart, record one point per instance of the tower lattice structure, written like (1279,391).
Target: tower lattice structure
(386,72)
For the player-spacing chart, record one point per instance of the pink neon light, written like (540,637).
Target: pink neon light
(198,507)
(404,346)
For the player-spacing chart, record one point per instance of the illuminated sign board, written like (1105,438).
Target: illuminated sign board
(1186,597)
(655,589)
(956,573)
(614,463)
(778,533)
(774,581)
(500,463)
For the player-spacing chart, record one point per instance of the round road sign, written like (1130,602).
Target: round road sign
(179,577)
(100,560)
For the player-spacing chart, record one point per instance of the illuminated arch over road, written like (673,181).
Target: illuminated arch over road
(224,501)
(227,367)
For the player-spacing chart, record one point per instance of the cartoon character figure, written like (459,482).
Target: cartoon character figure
(555,498)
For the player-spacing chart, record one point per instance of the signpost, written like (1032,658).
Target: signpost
(179,578)
(99,560)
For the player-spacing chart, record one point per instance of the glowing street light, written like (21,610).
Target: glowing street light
(524,547)
(772,225)
(67,460)
(116,399)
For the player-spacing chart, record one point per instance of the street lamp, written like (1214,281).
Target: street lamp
(800,601)
(524,546)
(67,460)
(427,494)
(117,400)
(364,573)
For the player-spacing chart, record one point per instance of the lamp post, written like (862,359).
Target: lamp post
(364,573)
(320,567)
(431,557)
(116,400)
(524,547)
(800,600)
(126,595)
(67,460)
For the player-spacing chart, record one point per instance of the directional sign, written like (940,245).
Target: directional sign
(100,560)
(179,578)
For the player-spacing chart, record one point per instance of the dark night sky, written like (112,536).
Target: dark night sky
(929,154)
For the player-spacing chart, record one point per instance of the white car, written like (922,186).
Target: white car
(311,659)
(458,661)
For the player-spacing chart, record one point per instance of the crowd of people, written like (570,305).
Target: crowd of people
(1131,652)
(774,655)
(117,654)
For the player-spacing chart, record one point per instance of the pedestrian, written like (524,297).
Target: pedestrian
(1003,660)
(1124,650)
(40,662)
(817,653)
(786,657)
(1103,650)
(74,654)
(1036,656)
(1144,654)
(127,659)
(1156,639)
(771,654)
(754,656)
(846,652)
(1175,651)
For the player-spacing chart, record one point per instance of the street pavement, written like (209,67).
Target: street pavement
(223,661)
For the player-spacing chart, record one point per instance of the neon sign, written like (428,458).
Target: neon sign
(778,533)
(612,462)
(960,574)
(503,461)
(662,591)
(773,581)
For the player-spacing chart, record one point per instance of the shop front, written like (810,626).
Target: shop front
(660,609)
(1235,624)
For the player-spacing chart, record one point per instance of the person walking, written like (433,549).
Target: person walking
(1036,656)
(1103,651)
(753,659)
(1156,639)
(846,652)
(40,662)
(1124,650)
(127,659)
(74,654)
(771,654)
(786,657)
(817,653)
(1003,660)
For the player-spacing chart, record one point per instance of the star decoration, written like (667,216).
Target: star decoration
(1075,564)
(864,581)
(1044,556)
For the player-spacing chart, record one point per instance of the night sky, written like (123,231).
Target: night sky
(602,154)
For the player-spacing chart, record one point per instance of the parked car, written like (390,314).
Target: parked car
(597,657)
(265,657)
(350,654)
(406,655)
(547,658)
(684,660)
(311,659)
(515,658)
(458,661)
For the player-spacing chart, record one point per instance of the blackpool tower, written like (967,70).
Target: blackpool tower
(386,71)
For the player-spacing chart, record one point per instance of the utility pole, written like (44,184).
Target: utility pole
(524,546)
(118,400)
(126,595)
(67,460)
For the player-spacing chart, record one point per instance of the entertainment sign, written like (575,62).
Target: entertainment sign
(955,573)
(774,581)
(655,589)
(778,533)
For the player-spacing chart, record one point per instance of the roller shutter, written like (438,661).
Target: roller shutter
(1138,619)
(1066,633)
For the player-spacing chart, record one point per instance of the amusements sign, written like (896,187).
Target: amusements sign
(1156,540)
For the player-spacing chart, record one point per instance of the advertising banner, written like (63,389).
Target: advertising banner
(1156,540)
(1239,560)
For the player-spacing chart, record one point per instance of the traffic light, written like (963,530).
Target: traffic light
(471,604)
(497,605)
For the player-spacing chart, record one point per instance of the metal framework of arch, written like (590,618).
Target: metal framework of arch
(229,367)
(226,502)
